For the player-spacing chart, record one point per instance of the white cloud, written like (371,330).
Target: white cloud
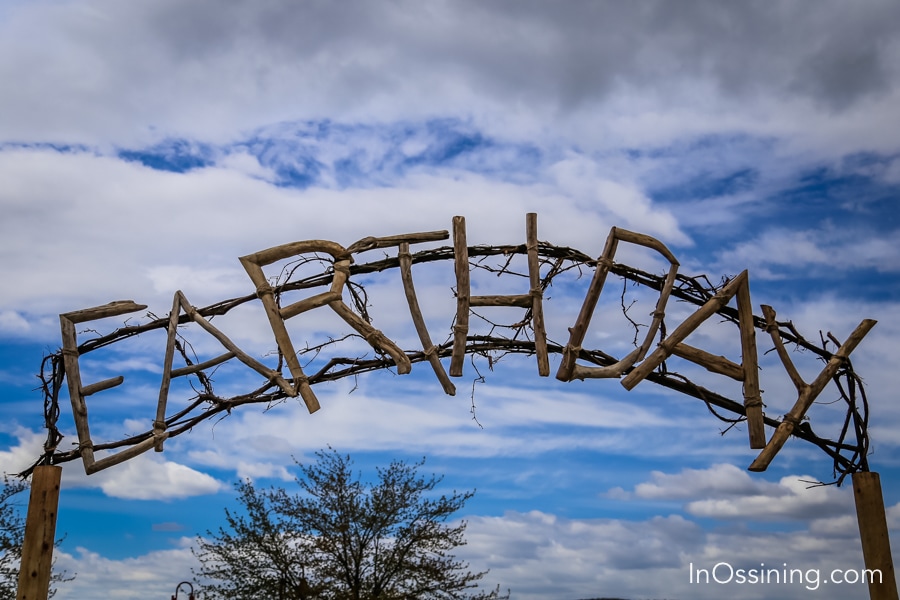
(147,478)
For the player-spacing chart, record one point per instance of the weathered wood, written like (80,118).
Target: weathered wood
(419,321)
(127,454)
(808,394)
(40,534)
(276,253)
(242,356)
(519,300)
(73,381)
(568,369)
(753,404)
(682,331)
(106,384)
(371,243)
(463,291)
(375,337)
(159,423)
(873,533)
(579,329)
(772,328)
(112,309)
(537,295)
(182,371)
(709,361)
(266,295)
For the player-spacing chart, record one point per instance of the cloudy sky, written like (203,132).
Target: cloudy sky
(145,145)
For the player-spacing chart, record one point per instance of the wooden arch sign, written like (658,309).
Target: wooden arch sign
(544,262)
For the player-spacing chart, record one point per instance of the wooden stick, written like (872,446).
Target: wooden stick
(808,395)
(202,366)
(568,369)
(419,321)
(266,295)
(113,309)
(159,424)
(775,334)
(270,255)
(682,331)
(371,243)
(40,534)
(873,533)
(520,300)
(537,295)
(127,454)
(578,331)
(753,404)
(709,361)
(106,384)
(461,267)
(232,347)
(73,380)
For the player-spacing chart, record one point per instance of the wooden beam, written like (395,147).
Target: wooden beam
(873,534)
(40,534)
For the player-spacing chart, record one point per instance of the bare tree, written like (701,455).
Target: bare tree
(340,538)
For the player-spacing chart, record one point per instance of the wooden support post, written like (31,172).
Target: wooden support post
(461,267)
(873,533)
(40,534)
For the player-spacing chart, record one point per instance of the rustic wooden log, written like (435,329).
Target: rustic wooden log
(375,337)
(709,361)
(90,390)
(808,392)
(189,369)
(568,369)
(419,321)
(276,253)
(73,381)
(519,300)
(159,424)
(463,291)
(242,356)
(371,243)
(127,454)
(266,295)
(113,309)
(537,295)
(753,404)
(873,533)
(40,534)
(772,328)
(579,329)
(682,331)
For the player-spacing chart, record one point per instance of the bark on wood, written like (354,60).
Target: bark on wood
(419,321)
(371,243)
(537,295)
(753,404)
(682,331)
(461,268)
(709,361)
(873,533)
(266,295)
(40,534)
(808,392)
(73,380)
(568,369)
(113,309)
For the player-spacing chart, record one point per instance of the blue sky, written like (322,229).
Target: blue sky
(144,146)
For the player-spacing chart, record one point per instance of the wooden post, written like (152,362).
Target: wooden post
(873,533)
(40,534)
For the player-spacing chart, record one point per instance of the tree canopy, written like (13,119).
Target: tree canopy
(340,538)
